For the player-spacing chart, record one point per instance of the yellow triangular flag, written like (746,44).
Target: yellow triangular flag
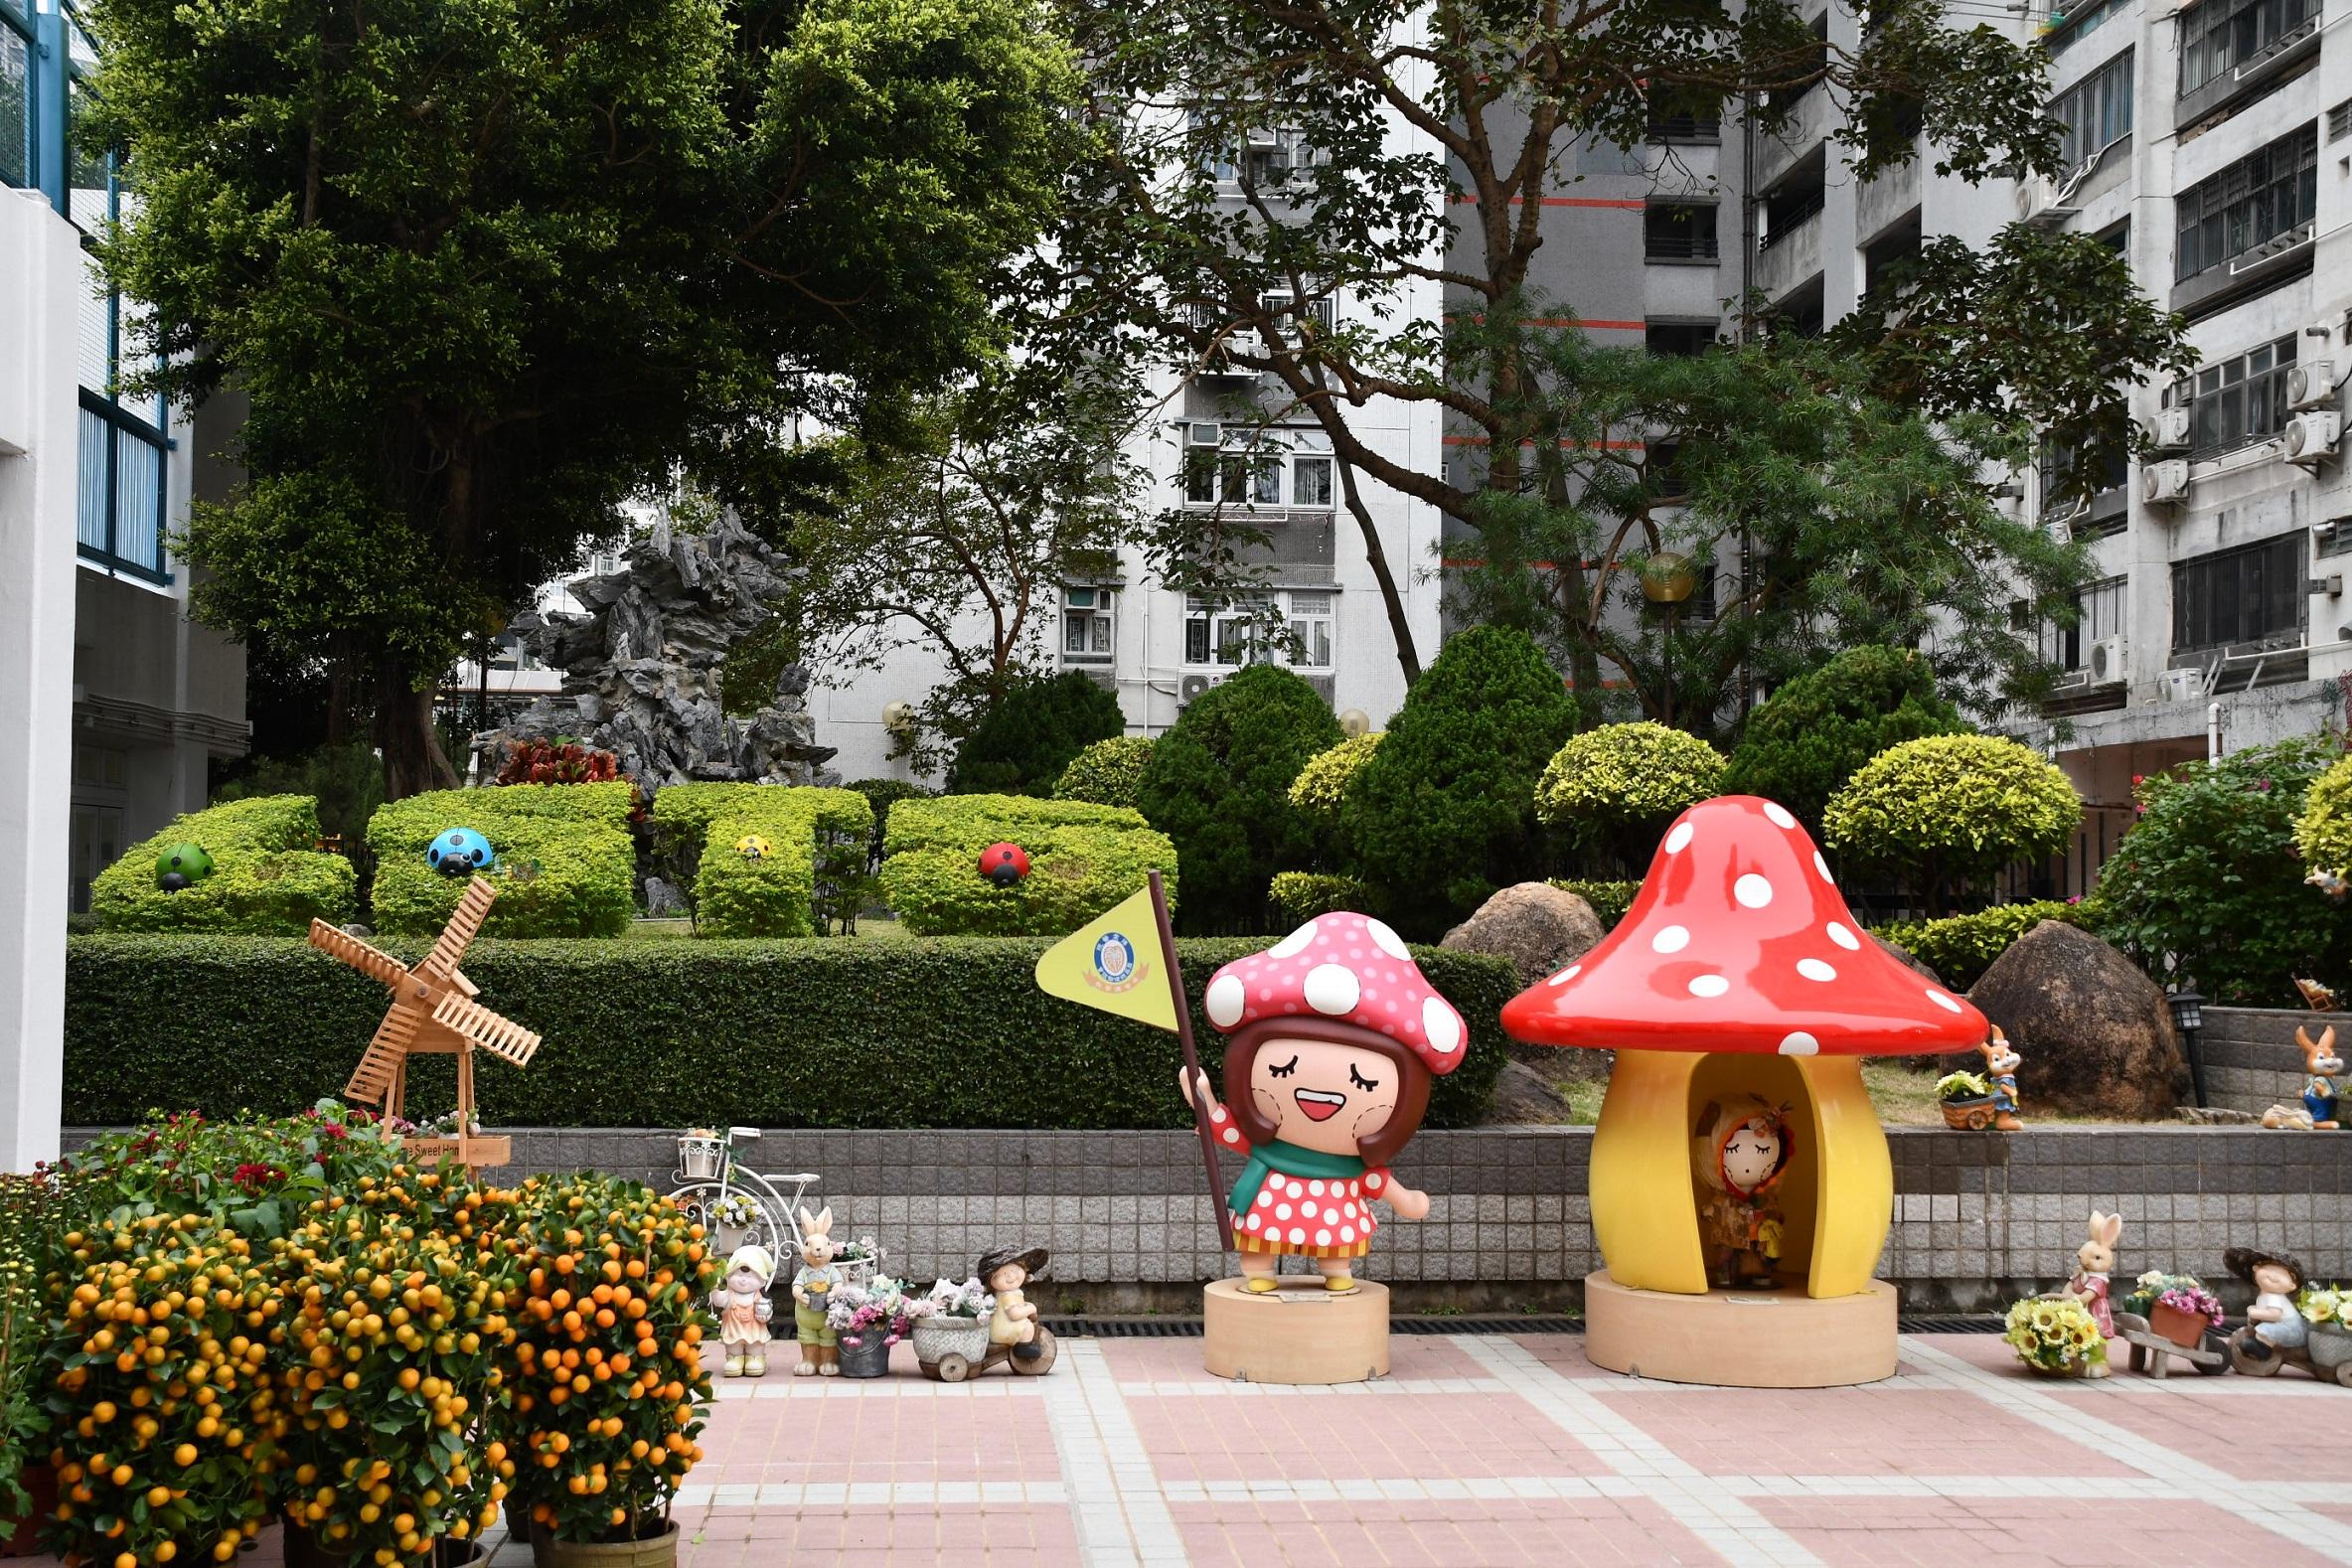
(1115,963)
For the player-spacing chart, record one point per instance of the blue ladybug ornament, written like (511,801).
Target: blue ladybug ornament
(460,852)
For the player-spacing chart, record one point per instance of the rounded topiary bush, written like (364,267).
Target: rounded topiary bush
(1023,743)
(1810,736)
(2323,832)
(1444,812)
(1106,773)
(1945,812)
(1615,788)
(1218,783)
(1322,786)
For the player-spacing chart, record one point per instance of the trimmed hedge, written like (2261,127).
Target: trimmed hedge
(948,1032)
(700,825)
(1960,947)
(1106,773)
(268,874)
(567,864)
(1610,900)
(1299,896)
(1083,858)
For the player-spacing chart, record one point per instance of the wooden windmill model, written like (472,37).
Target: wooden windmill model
(433,1013)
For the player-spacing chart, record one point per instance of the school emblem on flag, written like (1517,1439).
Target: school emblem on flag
(1114,968)
(1114,962)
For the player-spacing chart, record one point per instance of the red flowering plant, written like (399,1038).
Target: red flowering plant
(557,762)
(253,1172)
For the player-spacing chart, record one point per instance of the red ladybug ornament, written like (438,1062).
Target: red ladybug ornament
(1004,863)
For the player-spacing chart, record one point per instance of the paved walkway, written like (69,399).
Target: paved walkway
(1482,1452)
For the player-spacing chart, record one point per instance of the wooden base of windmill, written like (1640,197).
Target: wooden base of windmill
(1298,1334)
(1777,1338)
(474,1150)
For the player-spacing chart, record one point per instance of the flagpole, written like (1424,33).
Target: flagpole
(1183,1023)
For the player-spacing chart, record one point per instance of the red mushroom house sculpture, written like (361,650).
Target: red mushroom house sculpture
(1738,1161)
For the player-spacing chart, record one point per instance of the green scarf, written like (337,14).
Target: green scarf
(1277,1157)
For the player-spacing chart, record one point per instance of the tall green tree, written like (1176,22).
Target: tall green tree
(1801,746)
(485,270)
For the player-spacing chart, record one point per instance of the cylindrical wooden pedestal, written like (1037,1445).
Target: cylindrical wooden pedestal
(1300,1333)
(1780,1339)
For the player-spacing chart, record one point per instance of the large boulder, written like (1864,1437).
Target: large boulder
(2096,1033)
(1541,928)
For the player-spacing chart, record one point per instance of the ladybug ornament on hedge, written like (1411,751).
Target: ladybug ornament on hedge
(181,865)
(1004,863)
(460,852)
(752,847)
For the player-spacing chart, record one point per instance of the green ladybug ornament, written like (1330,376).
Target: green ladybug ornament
(181,865)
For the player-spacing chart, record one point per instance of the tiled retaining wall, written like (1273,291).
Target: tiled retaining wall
(2252,1060)
(1979,1217)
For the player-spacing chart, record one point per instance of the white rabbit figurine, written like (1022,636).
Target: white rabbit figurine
(2095,1260)
(812,1295)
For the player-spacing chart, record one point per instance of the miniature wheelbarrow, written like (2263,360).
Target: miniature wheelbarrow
(950,1349)
(2153,1354)
(1969,1116)
(2326,1356)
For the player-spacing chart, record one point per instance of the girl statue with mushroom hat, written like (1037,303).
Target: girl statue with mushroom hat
(1334,1036)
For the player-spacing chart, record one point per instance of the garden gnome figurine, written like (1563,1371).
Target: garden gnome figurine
(743,1307)
(2275,1322)
(2000,1070)
(1014,1322)
(1332,1038)
(812,1295)
(1740,1152)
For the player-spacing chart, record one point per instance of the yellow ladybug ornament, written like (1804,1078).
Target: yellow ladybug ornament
(752,847)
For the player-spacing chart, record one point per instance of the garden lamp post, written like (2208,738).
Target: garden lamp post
(2188,1017)
(1666,580)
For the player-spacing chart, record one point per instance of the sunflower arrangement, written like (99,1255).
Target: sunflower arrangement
(609,1371)
(2055,1334)
(391,1368)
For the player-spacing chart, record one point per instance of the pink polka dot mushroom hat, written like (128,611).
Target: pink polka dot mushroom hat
(1739,972)
(1332,1038)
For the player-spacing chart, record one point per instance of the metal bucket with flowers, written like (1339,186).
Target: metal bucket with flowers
(2056,1337)
(867,1319)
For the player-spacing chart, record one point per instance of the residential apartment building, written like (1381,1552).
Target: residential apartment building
(114,702)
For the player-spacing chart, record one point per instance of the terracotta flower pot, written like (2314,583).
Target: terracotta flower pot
(2184,1329)
(40,1482)
(659,1551)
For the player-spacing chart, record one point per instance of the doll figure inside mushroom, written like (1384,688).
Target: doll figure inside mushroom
(1739,978)
(1334,1036)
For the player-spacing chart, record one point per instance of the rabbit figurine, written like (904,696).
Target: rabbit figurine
(2094,1261)
(812,1295)
(2321,1067)
(2000,1070)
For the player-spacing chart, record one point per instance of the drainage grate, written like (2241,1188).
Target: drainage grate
(1190,1327)
(1951,1325)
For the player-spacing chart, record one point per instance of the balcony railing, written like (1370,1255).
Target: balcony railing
(1679,247)
(1782,221)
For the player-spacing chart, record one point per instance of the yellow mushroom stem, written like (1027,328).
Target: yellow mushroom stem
(1839,1195)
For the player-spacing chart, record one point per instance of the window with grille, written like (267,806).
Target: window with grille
(2252,594)
(2237,402)
(2218,36)
(2096,111)
(1679,339)
(1257,468)
(1294,628)
(2101,610)
(1678,232)
(1088,632)
(2269,193)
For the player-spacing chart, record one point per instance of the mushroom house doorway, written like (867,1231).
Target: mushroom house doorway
(1741,1187)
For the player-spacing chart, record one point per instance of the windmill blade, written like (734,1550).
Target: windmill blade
(442,962)
(358,953)
(457,979)
(502,1037)
(373,1075)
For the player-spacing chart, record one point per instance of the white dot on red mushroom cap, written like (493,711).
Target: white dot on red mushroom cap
(1844,937)
(1333,988)
(1679,839)
(1387,940)
(1566,974)
(1797,1042)
(1224,1001)
(1297,1236)
(1671,939)
(1779,814)
(1297,942)
(1752,891)
(1708,985)
(1943,1001)
(1442,1024)
(1823,866)
(1322,1238)
(1816,969)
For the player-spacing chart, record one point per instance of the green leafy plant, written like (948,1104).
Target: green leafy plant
(881,795)
(1106,773)
(1612,791)
(1807,738)
(657,1033)
(1960,947)
(1958,1086)
(267,873)
(1610,900)
(2205,884)
(1218,784)
(566,861)
(1083,858)
(2323,832)
(1032,735)
(1320,788)
(808,832)
(1444,812)
(1946,813)
(1299,896)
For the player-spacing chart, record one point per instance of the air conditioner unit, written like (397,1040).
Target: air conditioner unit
(1205,435)
(2311,386)
(2172,429)
(2311,437)
(2041,199)
(1189,688)
(2183,686)
(2165,483)
(2110,660)
(1262,138)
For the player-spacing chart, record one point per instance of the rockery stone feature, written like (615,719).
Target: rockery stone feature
(641,669)
(1541,928)
(2094,1032)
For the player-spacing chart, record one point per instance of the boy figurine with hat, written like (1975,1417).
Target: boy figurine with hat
(1334,1037)
(2275,1322)
(1014,1322)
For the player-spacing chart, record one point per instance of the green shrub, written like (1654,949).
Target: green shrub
(1960,947)
(2323,832)
(1024,742)
(1444,813)
(1810,736)
(2206,884)
(346,780)
(1320,788)
(566,864)
(1106,773)
(1614,789)
(920,1033)
(1610,900)
(1945,812)
(267,873)
(1083,858)
(881,795)
(1299,896)
(1218,783)
(812,879)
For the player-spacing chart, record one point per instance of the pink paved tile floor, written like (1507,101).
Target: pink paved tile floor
(1492,1452)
